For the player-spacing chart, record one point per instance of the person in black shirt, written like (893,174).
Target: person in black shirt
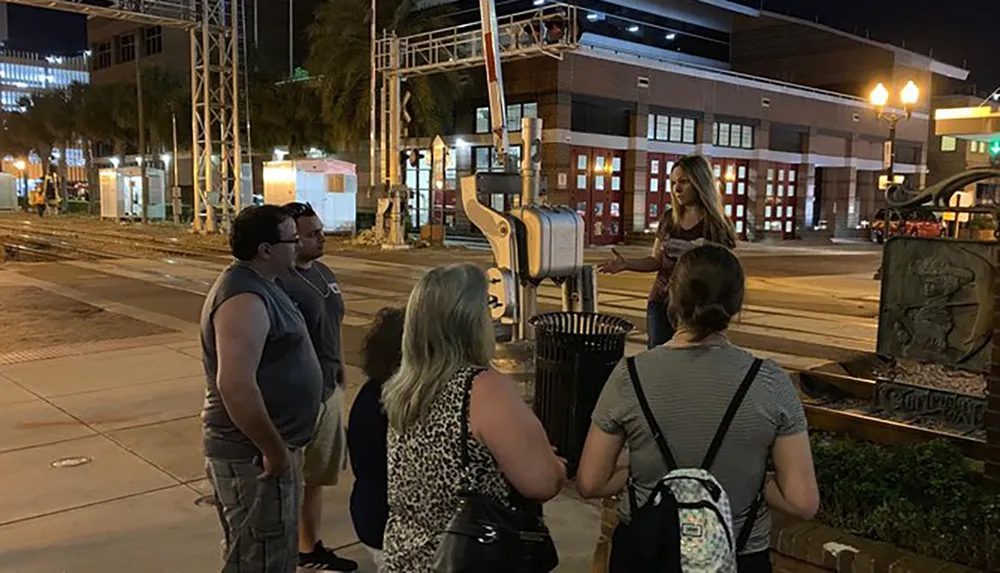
(314,289)
(367,428)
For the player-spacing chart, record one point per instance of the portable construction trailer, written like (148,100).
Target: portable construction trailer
(8,192)
(121,193)
(329,185)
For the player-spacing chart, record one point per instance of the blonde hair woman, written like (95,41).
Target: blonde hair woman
(444,377)
(695,216)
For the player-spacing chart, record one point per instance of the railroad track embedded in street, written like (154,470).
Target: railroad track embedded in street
(834,403)
(111,239)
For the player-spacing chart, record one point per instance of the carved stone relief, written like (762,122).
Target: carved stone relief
(937,301)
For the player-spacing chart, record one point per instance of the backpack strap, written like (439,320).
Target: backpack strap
(747,529)
(661,441)
(727,419)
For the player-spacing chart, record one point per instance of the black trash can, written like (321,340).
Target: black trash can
(575,353)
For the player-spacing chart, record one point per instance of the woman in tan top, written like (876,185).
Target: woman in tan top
(695,216)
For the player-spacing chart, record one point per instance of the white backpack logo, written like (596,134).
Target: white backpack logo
(688,509)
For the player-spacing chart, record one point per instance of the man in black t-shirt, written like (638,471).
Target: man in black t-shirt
(313,287)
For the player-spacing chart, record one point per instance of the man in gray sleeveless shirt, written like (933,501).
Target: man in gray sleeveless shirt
(264,390)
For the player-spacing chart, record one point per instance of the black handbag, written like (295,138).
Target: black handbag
(487,537)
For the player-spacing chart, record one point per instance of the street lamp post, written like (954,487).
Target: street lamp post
(880,98)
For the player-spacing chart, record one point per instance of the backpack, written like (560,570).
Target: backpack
(686,525)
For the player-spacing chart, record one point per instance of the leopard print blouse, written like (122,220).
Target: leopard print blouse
(426,474)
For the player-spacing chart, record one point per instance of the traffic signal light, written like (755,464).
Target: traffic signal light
(994,151)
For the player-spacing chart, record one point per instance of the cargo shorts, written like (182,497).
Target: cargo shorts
(260,518)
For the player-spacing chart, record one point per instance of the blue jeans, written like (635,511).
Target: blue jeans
(658,327)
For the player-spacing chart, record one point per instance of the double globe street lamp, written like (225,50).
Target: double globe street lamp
(880,99)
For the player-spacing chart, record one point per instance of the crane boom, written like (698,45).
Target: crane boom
(494,80)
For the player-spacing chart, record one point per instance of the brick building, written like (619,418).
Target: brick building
(778,104)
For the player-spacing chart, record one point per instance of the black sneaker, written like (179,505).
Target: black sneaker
(324,559)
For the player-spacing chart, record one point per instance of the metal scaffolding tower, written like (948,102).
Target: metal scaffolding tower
(549,30)
(217,91)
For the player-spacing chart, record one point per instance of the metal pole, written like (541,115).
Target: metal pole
(195,146)
(175,189)
(383,145)
(372,95)
(531,138)
(892,150)
(291,38)
(237,158)
(144,176)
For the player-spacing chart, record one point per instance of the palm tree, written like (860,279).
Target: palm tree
(164,94)
(285,114)
(340,54)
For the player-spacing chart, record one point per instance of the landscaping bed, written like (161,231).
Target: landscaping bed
(923,498)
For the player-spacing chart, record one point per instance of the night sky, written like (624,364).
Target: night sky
(959,31)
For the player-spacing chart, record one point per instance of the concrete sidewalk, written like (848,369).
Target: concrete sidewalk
(100,449)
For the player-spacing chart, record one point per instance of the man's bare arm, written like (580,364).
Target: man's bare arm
(241,326)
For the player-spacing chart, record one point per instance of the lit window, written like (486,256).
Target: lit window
(670,128)
(948,143)
(483,120)
(733,135)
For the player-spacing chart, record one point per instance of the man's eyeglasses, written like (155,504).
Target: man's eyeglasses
(293,240)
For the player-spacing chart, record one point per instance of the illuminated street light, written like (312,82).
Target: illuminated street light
(165,158)
(879,96)
(910,93)
(20,164)
(115,162)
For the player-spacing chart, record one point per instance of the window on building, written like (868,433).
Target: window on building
(948,143)
(671,128)
(102,55)
(153,37)
(732,135)
(126,48)
(515,113)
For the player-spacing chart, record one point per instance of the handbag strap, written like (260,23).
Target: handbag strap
(515,496)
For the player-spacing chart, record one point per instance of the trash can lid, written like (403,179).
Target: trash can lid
(582,323)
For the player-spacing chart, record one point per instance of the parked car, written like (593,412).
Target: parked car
(919,223)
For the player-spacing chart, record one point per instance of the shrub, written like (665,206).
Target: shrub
(921,497)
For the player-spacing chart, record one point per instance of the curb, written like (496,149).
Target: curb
(835,550)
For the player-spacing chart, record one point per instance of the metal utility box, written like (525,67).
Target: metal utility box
(329,185)
(121,193)
(8,192)
(553,240)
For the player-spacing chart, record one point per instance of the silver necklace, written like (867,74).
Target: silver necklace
(313,286)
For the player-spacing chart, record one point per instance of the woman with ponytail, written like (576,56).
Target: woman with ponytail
(687,385)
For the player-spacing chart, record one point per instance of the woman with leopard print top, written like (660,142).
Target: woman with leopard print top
(447,344)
